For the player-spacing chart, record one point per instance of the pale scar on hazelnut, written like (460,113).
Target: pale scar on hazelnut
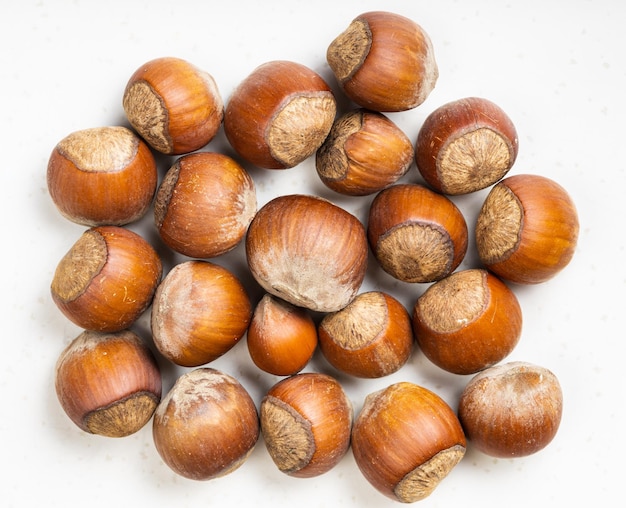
(499,225)
(416,252)
(422,481)
(444,311)
(480,156)
(288,435)
(300,127)
(334,160)
(79,266)
(348,51)
(358,324)
(147,113)
(99,150)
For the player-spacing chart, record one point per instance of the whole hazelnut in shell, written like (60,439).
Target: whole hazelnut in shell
(307,251)
(204,205)
(406,440)
(416,234)
(108,384)
(511,410)
(306,421)
(102,176)
(467,321)
(370,338)
(281,337)
(200,311)
(279,115)
(466,145)
(107,279)
(173,105)
(206,426)
(527,229)
(364,153)
(384,61)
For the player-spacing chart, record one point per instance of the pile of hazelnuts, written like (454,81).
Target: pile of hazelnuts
(309,256)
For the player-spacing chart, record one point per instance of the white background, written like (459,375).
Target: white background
(557,69)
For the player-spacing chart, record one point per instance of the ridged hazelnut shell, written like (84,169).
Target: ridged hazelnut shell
(107,279)
(466,145)
(306,420)
(307,251)
(173,105)
(102,176)
(204,205)
(467,321)
(369,338)
(511,410)
(200,311)
(281,337)
(384,61)
(206,426)
(416,234)
(364,153)
(108,384)
(279,115)
(406,440)
(527,229)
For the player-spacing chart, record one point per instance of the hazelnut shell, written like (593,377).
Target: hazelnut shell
(175,106)
(467,321)
(102,176)
(406,440)
(281,337)
(200,311)
(416,234)
(369,338)
(206,426)
(306,421)
(466,145)
(204,205)
(107,279)
(527,229)
(307,251)
(364,153)
(384,62)
(108,384)
(511,410)
(279,115)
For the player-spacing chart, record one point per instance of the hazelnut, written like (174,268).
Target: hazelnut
(102,176)
(307,251)
(467,321)
(384,62)
(511,410)
(281,337)
(364,153)
(204,205)
(416,234)
(107,279)
(279,115)
(108,384)
(406,440)
(306,421)
(200,311)
(371,337)
(527,229)
(175,106)
(465,146)
(206,426)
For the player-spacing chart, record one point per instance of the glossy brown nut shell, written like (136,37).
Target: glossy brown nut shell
(107,279)
(416,234)
(467,321)
(527,229)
